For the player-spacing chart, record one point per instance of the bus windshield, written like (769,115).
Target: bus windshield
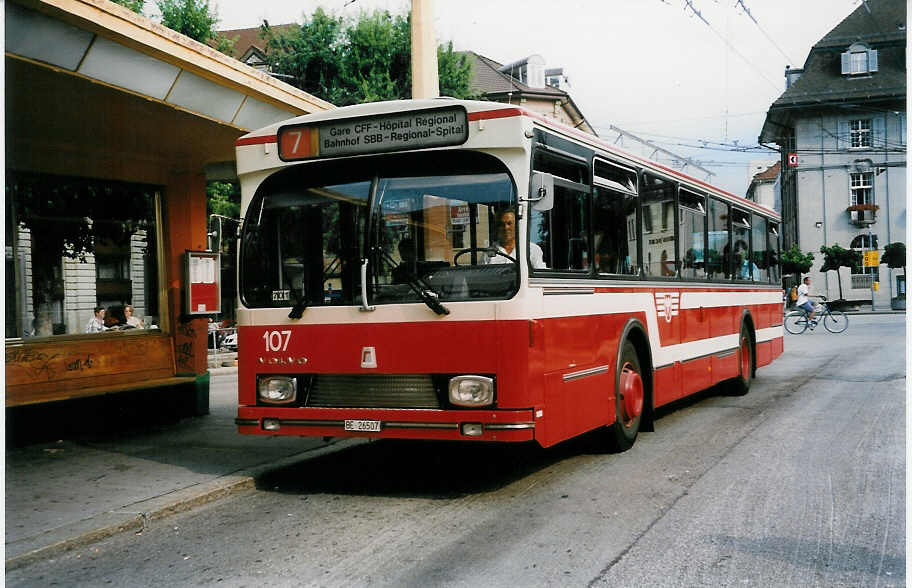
(426,225)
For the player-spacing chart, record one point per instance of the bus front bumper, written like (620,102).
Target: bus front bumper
(479,425)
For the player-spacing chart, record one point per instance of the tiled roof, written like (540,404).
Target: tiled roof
(769,174)
(881,24)
(487,80)
(822,81)
(247,38)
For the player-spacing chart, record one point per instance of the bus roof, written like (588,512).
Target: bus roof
(478,110)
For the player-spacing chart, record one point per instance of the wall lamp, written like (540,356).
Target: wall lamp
(818,224)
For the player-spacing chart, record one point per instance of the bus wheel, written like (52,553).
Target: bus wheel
(630,393)
(741,384)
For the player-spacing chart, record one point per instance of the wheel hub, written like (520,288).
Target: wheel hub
(631,392)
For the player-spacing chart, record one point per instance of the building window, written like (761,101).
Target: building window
(859,60)
(861,188)
(865,242)
(860,133)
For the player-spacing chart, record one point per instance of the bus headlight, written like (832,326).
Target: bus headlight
(471,391)
(277,389)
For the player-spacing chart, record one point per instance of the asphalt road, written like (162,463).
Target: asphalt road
(799,483)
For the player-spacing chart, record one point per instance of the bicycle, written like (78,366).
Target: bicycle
(835,321)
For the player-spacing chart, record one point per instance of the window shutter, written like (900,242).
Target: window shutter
(872,60)
(878,129)
(843,139)
(846,68)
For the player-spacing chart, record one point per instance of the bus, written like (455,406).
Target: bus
(462,270)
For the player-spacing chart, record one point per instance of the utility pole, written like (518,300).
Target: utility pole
(425,83)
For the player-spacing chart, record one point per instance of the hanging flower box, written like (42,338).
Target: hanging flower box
(862,215)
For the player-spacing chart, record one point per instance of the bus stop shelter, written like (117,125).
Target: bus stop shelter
(114,124)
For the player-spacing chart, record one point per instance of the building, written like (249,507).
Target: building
(114,124)
(529,84)
(764,188)
(841,129)
(250,46)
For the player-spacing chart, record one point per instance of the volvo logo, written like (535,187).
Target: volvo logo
(282,360)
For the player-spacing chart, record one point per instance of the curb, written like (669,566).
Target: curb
(137,516)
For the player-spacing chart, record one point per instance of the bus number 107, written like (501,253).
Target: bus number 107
(276,340)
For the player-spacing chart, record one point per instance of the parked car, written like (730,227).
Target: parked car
(230,341)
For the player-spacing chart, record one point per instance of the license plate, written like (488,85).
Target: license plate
(362,426)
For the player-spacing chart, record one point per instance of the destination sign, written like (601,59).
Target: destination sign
(438,127)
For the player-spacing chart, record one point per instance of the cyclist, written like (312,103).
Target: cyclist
(804,302)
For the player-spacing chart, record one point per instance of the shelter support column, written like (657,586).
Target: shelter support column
(185,219)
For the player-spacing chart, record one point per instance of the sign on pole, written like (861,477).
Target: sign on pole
(793,160)
(872,258)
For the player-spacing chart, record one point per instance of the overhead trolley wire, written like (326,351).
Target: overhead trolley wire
(689,4)
(765,34)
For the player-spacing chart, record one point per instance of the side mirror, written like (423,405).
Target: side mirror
(216,230)
(541,191)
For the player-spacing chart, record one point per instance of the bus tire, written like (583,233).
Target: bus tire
(740,385)
(629,400)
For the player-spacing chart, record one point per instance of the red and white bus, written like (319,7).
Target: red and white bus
(446,269)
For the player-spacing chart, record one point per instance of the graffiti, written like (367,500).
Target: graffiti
(186,329)
(184,353)
(36,363)
(80,363)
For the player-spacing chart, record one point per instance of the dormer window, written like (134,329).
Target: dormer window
(859,60)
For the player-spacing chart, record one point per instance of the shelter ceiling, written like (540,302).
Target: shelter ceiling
(62,123)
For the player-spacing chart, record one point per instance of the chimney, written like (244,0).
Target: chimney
(791,76)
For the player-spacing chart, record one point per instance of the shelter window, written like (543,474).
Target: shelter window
(73,244)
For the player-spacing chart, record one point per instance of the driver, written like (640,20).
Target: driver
(506,242)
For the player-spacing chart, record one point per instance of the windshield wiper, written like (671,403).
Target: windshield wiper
(300,302)
(424,291)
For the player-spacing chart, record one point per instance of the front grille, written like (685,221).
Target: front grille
(372,391)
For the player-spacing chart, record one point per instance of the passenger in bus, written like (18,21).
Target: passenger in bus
(745,267)
(506,242)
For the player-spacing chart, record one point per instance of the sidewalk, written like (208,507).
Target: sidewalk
(70,493)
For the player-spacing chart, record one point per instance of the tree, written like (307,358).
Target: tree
(895,257)
(836,257)
(354,61)
(192,18)
(795,262)
(223,198)
(134,5)
(195,19)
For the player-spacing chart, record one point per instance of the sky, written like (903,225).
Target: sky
(696,85)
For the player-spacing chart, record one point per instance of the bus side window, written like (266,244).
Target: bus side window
(615,219)
(615,232)
(692,235)
(657,197)
(717,239)
(562,233)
